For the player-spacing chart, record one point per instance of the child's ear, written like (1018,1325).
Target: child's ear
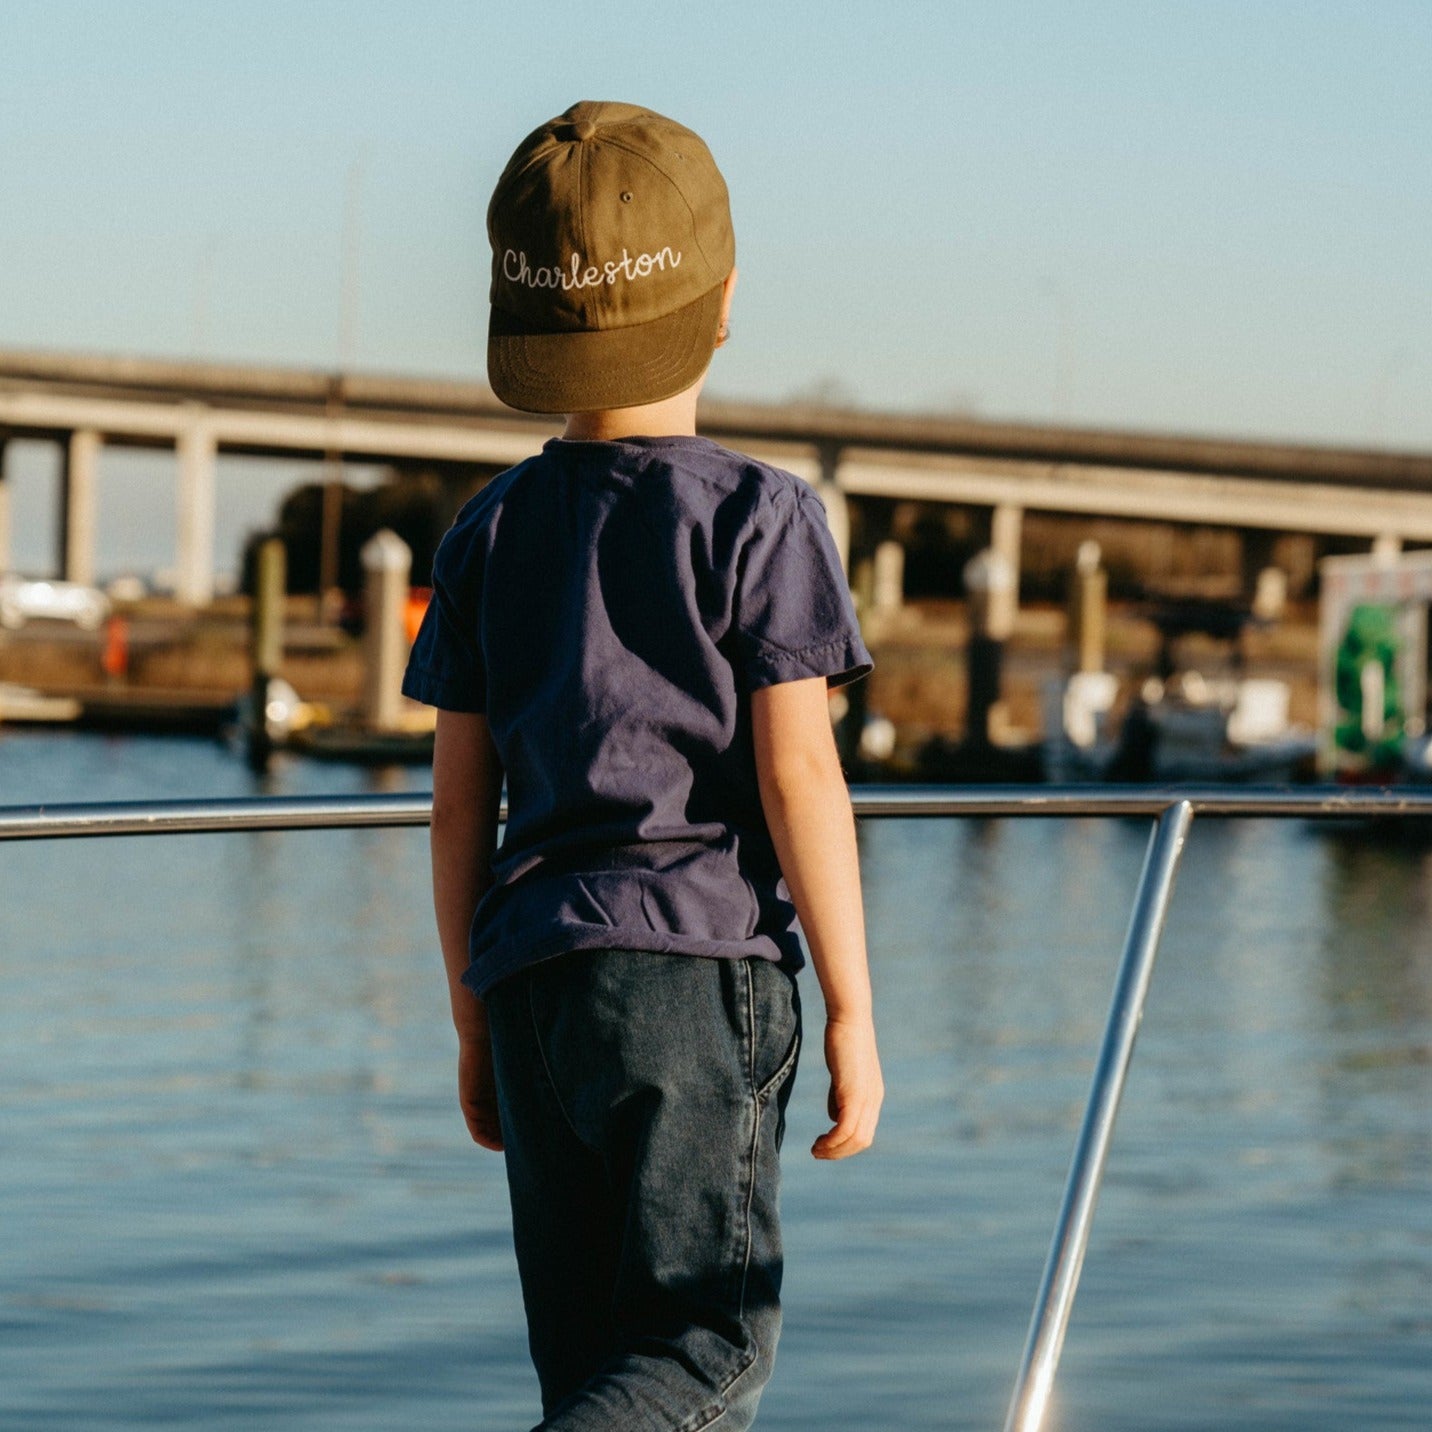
(728,289)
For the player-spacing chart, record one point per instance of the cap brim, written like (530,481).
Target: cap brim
(607,368)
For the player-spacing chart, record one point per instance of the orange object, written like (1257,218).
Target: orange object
(115,657)
(415,609)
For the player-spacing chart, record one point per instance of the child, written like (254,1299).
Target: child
(639,628)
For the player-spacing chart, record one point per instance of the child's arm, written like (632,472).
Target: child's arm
(807,807)
(467,789)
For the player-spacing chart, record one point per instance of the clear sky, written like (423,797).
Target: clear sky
(1200,217)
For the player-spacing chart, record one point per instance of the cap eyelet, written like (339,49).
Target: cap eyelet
(626,196)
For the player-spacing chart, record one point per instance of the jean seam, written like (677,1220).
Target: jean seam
(755,1139)
(751,1160)
(720,1409)
(755,1144)
(713,1412)
(750,1024)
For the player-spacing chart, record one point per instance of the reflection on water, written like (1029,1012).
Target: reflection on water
(236,1189)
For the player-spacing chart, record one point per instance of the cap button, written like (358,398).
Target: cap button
(583,129)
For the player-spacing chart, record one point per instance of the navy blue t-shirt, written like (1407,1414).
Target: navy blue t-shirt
(610,606)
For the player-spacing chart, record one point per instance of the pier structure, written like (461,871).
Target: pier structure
(459,431)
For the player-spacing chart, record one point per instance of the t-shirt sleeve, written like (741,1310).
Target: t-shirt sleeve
(794,613)
(445,667)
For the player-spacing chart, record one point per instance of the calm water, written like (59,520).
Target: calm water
(236,1192)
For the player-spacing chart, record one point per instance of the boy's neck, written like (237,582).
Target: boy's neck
(670,418)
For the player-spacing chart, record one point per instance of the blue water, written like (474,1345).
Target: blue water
(236,1192)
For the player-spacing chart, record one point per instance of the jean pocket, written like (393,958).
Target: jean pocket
(776,1026)
(784,1071)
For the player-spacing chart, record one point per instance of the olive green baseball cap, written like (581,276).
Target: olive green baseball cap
(611,239)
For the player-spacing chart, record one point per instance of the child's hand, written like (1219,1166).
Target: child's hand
(857,1088)
(477,1091)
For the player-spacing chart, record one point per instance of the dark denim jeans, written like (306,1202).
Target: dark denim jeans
(643,1102)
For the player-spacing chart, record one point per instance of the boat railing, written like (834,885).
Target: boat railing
(1172,811)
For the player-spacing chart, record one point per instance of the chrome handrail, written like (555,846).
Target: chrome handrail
(1172,809)
(53,822)
(1055,1302)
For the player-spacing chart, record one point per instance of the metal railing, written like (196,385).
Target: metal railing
(1172,810)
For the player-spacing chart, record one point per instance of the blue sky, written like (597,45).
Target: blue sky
(1198,217)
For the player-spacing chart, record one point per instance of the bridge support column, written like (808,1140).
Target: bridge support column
(888,577)
(1005,533)
(79,482)
(197,454)
(837,512)
(4,511)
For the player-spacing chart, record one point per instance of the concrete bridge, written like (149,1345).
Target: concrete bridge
(459,430)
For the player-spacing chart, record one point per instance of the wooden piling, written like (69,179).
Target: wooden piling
(267,615)
(387,563)
(1088,609)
